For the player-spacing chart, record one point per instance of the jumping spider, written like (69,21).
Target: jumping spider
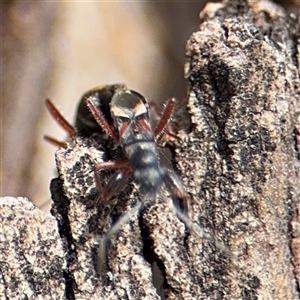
(124,115)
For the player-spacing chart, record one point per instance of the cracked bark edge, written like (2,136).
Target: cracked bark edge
(240,166)
(32,261)
(243,74)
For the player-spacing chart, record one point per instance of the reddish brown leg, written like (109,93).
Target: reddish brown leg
(165,118)
(101,120)
(168,130)
(110,165)
(59,118)
(54,141)
(116,183)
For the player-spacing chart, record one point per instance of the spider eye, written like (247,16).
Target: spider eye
(142,116)
(122,120)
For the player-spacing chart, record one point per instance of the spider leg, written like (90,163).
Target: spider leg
(165,118)
(100,119)
(116,183)
(102,250)
(168,130)
(54,141)
(202,233)
(110,165)
(175,187)
(59,118)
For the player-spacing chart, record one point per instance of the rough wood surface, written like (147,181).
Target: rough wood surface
(32,259)
(237,156)
(243,72)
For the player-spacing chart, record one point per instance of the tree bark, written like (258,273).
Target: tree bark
(237,154)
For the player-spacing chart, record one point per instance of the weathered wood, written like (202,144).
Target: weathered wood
(32,260)
(243,74)
(237,156)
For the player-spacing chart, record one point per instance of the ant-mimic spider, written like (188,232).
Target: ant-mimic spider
(124,116)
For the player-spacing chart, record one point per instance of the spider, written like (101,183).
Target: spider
(133,132)
(124,115)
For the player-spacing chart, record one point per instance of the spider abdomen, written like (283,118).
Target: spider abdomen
(144,162)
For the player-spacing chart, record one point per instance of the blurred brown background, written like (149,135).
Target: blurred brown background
(62,49)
